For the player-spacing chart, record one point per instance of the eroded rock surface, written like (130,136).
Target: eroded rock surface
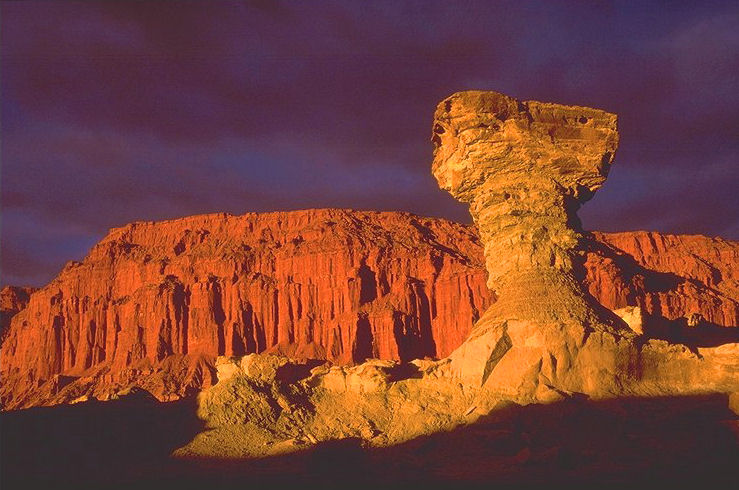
(153,304)
(135,269)
(12,300)
(525,167)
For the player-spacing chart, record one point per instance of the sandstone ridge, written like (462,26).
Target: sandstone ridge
(153,304)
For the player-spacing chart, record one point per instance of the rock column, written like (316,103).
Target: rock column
(525,168)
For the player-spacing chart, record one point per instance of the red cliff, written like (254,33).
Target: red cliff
(668,276)
(153,303)
(12,300)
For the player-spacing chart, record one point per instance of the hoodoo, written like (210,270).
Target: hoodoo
(153,304)
(177,302)
(525,168)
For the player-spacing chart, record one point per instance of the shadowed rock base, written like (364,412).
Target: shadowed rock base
(673,442)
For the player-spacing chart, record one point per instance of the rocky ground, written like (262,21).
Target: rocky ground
(675,442)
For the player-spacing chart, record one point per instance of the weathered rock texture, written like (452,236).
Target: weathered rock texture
(154,303)
(12,300)
(428,290)
(525,168)
(668,276)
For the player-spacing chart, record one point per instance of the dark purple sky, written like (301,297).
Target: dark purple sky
(116,112)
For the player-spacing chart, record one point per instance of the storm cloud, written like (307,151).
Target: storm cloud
(115,112)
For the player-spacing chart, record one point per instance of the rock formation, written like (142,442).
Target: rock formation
(525,168)
(153,304)
(545,338)
(12,300)
(665,277)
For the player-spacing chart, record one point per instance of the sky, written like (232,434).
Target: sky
(114,112)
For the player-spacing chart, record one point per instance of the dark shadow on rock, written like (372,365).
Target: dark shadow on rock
(675,441)
(403,371)
(677,331)
(295,371)
(645,282)
(654,281)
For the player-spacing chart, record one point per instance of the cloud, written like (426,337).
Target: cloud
(123,111)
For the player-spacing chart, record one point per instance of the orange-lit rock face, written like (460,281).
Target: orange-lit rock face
(328,284)
(524,168)
(12,300)
(668,276)
(294,282)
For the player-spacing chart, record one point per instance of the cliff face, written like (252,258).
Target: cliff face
(12,300)
(328,284)
(524,167)
(154,303)
(669,276)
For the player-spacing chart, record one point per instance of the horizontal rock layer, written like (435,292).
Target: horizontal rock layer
(154,303)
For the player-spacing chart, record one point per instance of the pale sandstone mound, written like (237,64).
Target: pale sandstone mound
(525,167)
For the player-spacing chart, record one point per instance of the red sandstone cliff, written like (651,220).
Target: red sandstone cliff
(12,300)
(668,276)
(153,303)
(332,284)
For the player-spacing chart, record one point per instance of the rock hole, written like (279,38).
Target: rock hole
(436,141)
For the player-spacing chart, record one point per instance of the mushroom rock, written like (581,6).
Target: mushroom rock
(525,168)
